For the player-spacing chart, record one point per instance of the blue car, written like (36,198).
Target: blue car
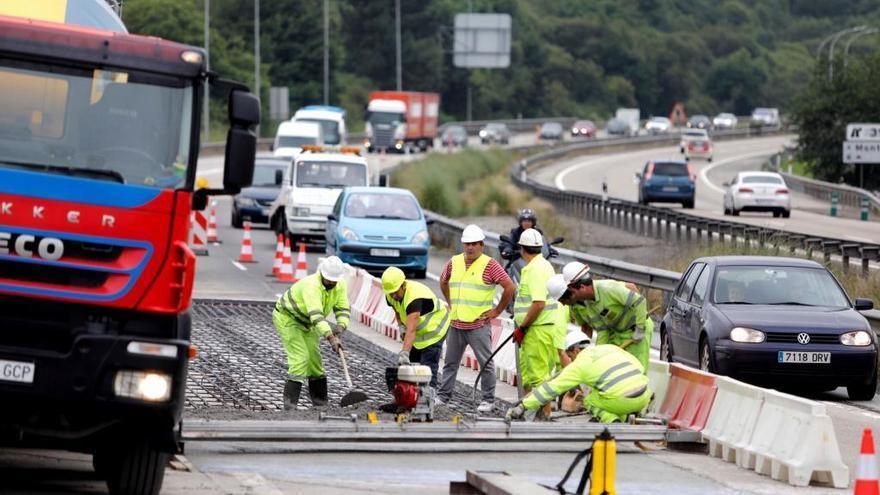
(253,202)
(667,182)
(772,321)
(378,227)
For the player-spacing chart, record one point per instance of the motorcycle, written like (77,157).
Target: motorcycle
(515,262)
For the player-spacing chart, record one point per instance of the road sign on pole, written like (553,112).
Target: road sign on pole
(862,132)
(482,41)
(861,151)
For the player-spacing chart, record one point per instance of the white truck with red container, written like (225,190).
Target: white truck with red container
(401,120)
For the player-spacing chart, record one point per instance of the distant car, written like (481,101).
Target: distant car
(692,135)
(253,203)
(658,125)
(618,127)
(757,191)
(454,135)
(699,122)
(378,227)
(551,131)
(772,321)
(699,148)
(583,128)
(495,133)
(725,121)
(765,117)
(667,182)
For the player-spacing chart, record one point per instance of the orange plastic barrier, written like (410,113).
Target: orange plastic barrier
(689,398)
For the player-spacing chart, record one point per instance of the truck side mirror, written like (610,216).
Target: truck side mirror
(384,180)
(241,140)
(279,177)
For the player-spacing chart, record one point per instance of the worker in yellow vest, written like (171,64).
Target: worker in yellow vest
(425,317)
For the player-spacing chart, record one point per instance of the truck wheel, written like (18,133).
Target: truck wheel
(138,469)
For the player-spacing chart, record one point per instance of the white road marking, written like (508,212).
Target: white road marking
(433,277)
(704,173)
(239,266)
(559,182)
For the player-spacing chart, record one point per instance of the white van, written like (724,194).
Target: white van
(310,187)
(292,136)
(331,119)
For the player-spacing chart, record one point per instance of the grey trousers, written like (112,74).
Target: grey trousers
(480,340)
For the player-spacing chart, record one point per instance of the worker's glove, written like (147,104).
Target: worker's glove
(403,358)
(519,333)
(337,329)
(516,412)
(335,343)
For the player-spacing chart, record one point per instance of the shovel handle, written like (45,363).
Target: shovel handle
(345,368)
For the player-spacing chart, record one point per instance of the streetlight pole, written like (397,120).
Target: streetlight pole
(206,112)
(852,39)
(257,56)
(397,29)
(834,40)
(326,53)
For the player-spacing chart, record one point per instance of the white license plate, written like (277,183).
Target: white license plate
(670,189)
(16,371)
(764,201)
(802,357)
(388,253)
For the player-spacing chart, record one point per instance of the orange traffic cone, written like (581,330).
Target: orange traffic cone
(302,267)
(247,250)
(286,272)
(279,256)
(212,224)
(866,476)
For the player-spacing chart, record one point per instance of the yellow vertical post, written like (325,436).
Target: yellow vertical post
(604,465)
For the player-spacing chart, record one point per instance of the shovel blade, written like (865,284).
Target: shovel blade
(353,397)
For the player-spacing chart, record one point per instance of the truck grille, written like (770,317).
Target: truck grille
(383,138)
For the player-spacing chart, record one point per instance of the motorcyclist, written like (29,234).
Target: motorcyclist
(526,220)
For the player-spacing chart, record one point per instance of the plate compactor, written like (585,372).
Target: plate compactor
(411,387)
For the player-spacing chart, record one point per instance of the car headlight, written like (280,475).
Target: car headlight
(152,386)
(483,134)
(299,212)
(348,234)
(747,335)
(859,338)
(420,237)
(246,201)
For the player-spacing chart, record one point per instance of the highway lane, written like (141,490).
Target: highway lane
(587,173)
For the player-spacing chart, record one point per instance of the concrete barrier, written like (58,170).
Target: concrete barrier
(732,421)
(658,380)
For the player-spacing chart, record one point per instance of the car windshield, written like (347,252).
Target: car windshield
(455,131)
(382,206)
(496,127)
(695,134)
(330,174)
(100,124)
(778,285)
(330,129)
(264,173)
(670,169)
(552,127)
(761,179)
(762,112)
(295,141)
(659,120)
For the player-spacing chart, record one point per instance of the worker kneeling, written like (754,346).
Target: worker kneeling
(617,382)
(300,318)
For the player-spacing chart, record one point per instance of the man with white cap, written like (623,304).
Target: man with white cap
(612,308)
(468,282)
(300,318)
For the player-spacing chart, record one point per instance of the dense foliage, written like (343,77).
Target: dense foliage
(572,57)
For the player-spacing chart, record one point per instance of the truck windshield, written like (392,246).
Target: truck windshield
(330,128)
(124,126)
(330,174)
(385,117)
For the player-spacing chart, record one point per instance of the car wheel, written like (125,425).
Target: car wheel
(236,220)
(706,362)
(726,211)
(863,391)
(786,213)
(420,274)
(777,214)
(688,204)
(709,159)
(734,212)
(665,346)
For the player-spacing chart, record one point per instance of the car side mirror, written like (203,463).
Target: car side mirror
(429,221)
(505,238)
(864,304)
(272,146)
(241,140)
(332,217)
(279,177)
(384,180)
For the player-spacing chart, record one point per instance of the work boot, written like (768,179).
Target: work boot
(291,394)
(318,391)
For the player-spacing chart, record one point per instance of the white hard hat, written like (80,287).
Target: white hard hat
(331,269)
(472,233)
(531,238)
(575,270)
(575,337)
(556,286)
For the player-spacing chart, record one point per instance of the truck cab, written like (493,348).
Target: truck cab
(386,125)
(311,186)
(330,118)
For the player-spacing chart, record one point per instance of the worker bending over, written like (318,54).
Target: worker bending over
(300,318)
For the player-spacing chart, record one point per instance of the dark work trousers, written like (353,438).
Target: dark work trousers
(429,356)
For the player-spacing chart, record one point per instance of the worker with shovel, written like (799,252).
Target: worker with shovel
(300,318)
(425,317)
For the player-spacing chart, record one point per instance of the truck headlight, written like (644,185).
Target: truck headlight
(348,234)
(858,338)
(152,386)
(747,335)
(420,237)
(483,134)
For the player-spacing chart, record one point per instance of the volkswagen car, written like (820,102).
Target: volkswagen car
(377,227)
(772,321)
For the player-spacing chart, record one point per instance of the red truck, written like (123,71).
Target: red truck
(99,138)
(396,120)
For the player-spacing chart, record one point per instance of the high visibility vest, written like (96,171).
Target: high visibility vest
(608,313)
(470,296)
(308,302)
(432,326)
(608,370)
(535,275)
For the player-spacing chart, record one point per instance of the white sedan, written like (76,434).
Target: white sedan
(757,191)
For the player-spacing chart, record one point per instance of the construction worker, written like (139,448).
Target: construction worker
(535,315)
(612,308)
(426,319)
(618,384)
(468,283)
(300,318)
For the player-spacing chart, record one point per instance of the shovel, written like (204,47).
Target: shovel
(353,396)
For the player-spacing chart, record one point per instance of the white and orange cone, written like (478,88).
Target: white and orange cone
(279,256)
(212,224)
(247,250)
(866,477)
(302,267)
(286,272)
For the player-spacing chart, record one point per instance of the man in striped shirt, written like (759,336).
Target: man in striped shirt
(468,282)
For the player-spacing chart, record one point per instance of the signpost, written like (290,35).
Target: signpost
(862,146)
(481,41)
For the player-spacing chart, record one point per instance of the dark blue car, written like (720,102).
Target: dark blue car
(253,202)
(667,182)
(771,321)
